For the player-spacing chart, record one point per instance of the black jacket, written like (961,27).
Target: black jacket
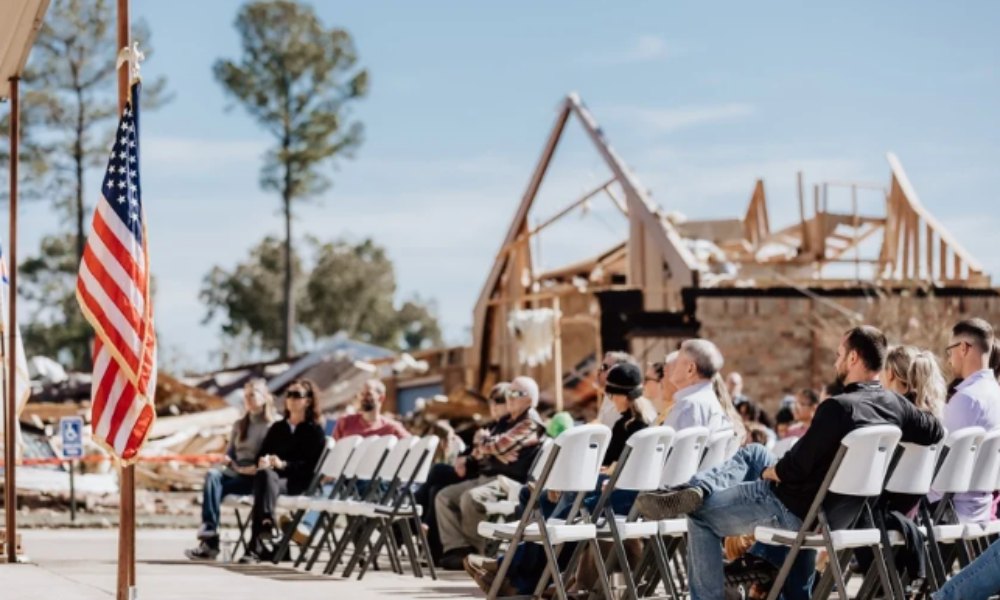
(624,427)
(804,467)
(301,449)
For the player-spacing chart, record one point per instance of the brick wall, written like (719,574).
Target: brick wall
(786,343)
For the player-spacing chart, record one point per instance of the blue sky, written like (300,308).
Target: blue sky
(699,98)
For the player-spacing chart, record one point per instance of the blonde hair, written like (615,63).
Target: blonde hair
(726,400)
(259,387)
(920,376)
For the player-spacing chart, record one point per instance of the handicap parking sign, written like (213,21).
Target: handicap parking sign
(71,432)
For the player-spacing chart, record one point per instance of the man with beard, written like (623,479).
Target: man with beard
(753,489)
(369,420)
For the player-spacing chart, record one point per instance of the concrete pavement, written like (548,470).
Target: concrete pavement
(81,564)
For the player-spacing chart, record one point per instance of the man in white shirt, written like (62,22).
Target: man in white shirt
(695,402)
(976,402)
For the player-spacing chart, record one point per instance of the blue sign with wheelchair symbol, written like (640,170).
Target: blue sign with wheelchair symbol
(71,432)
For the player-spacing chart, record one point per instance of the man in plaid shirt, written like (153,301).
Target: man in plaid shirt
(497,466)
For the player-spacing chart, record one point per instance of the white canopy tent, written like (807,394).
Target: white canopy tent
(20,21)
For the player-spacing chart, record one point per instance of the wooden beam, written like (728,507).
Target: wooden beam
(943,260)
(806,246)
(910,196)
(562,213)
(930,252)
(481,326)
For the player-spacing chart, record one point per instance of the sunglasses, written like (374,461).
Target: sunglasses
(296,394)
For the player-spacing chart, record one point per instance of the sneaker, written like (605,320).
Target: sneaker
(204,551)
(453,560)
(669,504)
(250,558)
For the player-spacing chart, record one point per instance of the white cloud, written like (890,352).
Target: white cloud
(667,120)
(645,48)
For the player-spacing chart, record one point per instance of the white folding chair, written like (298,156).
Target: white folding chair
(858,469)
(721,445)
(984,478)
(499,510)
(360,470)
(400,509)
(953,477)
(356,511)
(639,469)
(682,463)
(911,475)
(572,465)
(331,470)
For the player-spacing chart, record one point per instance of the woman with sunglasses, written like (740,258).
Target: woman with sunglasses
(237,473)
(286,462)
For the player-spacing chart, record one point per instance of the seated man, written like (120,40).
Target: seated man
(695,403)
(748,491)
(503,460)
(443,475)
(369,420)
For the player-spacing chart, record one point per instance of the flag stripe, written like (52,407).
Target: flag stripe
(117,269)
(133,263)
(107,284)
(126,241)
(120,334)
(101,385)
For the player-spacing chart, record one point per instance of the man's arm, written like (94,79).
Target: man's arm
(920,427)
(519,435)
(813,453)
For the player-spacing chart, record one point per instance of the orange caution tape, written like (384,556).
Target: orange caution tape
(97,458)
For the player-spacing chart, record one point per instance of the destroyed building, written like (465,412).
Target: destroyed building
(774,299)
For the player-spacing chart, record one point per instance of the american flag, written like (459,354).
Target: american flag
(113,291)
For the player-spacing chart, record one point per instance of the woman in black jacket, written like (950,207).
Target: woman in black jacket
(286,462)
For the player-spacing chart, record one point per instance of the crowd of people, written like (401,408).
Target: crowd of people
(771,479)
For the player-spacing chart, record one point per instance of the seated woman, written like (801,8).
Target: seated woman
(286,462)
(236,474)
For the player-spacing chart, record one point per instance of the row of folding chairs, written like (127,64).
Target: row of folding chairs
(968,460)
(370,494)
(869,461)
(653,457)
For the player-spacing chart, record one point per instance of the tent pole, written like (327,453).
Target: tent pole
(10,414)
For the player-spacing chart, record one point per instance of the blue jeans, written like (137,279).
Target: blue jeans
(736,501)
(978,581)
(218,485)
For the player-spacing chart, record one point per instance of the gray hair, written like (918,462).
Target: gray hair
(706,356)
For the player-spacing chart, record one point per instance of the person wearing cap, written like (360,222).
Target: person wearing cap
(606,413)
(623,389)
(503,458)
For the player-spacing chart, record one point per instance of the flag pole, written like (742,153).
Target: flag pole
(10,414)
(126,510)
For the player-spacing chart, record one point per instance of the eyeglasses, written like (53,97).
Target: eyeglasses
(515,394)
(296,395)
(605,367)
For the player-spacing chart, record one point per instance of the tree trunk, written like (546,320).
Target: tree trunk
(78,163)
(286,347)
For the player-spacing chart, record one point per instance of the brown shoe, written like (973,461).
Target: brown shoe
(484,579)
